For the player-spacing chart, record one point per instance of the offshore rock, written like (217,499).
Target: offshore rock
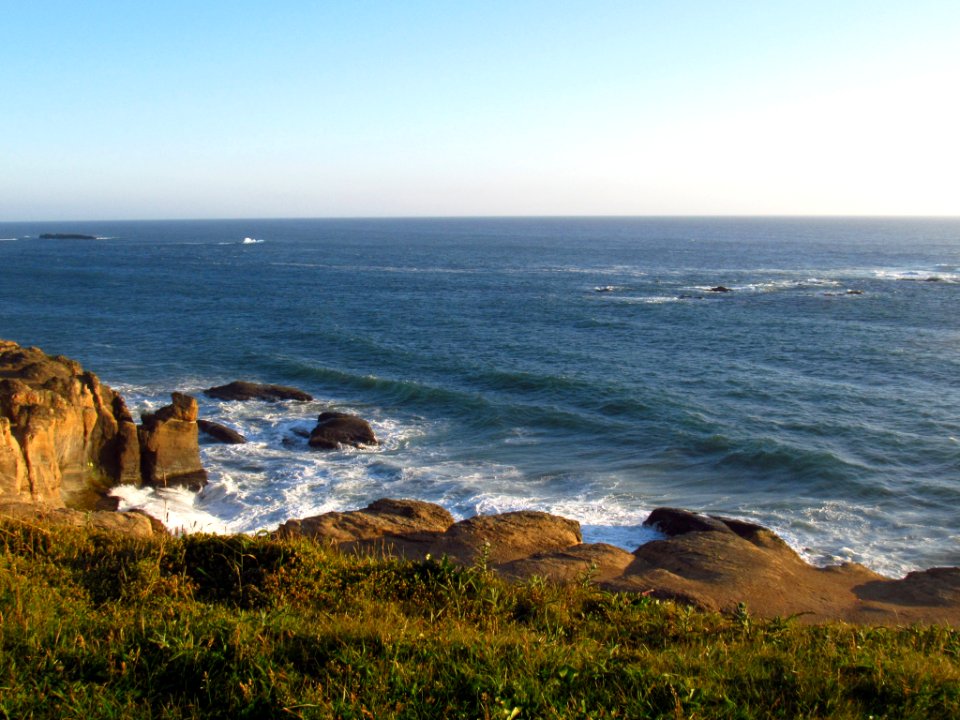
(64,437)
(221,433)
(169,445)
(335,429)
(242,390)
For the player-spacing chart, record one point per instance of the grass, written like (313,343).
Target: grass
(97,626)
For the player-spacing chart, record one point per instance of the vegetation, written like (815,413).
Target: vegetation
(99,626)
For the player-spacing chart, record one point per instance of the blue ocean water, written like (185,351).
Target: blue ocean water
(579,366)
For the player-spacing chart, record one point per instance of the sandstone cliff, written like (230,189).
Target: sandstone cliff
(66,438)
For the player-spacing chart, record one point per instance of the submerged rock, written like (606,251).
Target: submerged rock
(719,289)
(335,429)
(242,390)
(220,432)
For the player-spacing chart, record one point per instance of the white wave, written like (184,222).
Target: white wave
(645,299)
(250,241)
(8,239)
(918,275)
(602,519)
(176,508)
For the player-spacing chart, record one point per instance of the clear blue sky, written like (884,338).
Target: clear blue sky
(311,109)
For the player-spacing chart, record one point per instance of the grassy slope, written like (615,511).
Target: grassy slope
(96,626)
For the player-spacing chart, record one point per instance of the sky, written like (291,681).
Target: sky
(363,108)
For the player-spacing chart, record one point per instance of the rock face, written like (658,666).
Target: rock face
(711,562)
(335,429)
(64,437)
(220,432)
(241,390)
(169,446)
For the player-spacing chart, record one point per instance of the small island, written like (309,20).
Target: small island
(67,236)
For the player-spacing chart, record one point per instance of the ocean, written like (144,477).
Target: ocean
(586,367)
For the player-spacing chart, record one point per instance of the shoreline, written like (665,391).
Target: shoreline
(64,437)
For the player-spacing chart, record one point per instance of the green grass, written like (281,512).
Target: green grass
(95,626)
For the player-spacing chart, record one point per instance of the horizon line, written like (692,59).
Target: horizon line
(596,216)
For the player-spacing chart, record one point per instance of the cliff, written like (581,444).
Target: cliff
(66,438)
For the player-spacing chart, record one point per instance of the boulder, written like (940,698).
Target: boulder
(507,537)
(718,563)
(220,432)
(132,524)
(414,529)
(169,446)
(381,519)
(64,437)
(719,289)
(711,562)
(241,390)
(335,429)
(594,562)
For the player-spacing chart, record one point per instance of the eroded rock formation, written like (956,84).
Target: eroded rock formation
(169,445)
(66,438)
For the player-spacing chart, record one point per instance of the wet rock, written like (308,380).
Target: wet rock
(220,432)
(719,289)
(242,390)
(335,429)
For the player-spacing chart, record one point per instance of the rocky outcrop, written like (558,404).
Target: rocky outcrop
(415,529)
(169,445)
(381,519)
(711,562)
(717,563)
(131,524)
(220,433)
(64,437)
(335,429)
(242,390)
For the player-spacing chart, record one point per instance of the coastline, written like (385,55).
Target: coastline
(58,419)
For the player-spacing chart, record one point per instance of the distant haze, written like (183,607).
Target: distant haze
(312,109)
